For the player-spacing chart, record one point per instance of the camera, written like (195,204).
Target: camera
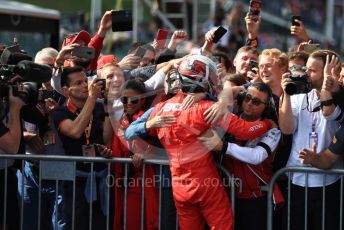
(299,85)
(29,74)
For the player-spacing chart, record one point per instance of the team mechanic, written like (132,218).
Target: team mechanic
(191,164)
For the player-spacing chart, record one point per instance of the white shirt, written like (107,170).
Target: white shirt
(253,154)
(325,127)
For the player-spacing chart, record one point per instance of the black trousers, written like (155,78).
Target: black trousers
(315,207)
(251,214)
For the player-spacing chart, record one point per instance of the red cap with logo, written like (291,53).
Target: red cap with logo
(82,35)
(105,59)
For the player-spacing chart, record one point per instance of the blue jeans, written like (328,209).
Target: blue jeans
(29,193)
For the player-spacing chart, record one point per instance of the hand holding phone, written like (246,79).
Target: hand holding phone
(83,52)
(219,32)
(255,6)
(294,22)
(161,38)
(122,20)
(140,52)
(103,84)
(253,65)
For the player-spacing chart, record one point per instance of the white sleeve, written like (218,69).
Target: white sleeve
(256,155)
(156,81)
(334,115)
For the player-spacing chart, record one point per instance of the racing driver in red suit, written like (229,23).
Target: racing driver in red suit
(197,188)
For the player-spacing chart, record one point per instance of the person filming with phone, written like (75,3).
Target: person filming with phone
(80,125)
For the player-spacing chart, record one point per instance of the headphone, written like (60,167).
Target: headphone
(270,107)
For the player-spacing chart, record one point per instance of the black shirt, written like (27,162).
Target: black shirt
(72,146)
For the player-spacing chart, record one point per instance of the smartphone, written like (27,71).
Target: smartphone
(83,52)
(140,52)
(310,48)
(161,37)
(293,20)
(103,81)
(253,64)
(219,32)
(122,20)
(255,6)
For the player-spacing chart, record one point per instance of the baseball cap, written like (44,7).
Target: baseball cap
(70,39)
(105,59)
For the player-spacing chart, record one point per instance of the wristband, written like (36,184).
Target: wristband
(252,42)
(327,102)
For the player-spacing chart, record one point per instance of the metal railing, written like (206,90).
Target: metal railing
(64,168)
(307,170)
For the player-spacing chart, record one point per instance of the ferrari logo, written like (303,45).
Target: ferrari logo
(334,140)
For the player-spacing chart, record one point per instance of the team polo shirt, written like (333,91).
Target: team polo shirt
(337,144)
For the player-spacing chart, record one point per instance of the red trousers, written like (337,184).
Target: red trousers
(200,196)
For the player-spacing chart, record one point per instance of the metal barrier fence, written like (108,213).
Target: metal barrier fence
(64,168)
(307,170)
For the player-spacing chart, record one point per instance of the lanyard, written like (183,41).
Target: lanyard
(88,131)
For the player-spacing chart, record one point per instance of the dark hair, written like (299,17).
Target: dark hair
(262,87)
(298,55)
(148,47)
(321,55)
(67,71)
(270,110)
(135,85)
(134,47)
(236,78)
(228,63)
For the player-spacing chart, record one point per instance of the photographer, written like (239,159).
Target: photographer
(10,136)
(310,115)
(40,138)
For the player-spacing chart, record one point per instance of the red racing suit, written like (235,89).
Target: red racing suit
(197,188)
(122,148)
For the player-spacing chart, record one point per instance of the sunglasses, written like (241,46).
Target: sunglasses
(132,100)
(255,101)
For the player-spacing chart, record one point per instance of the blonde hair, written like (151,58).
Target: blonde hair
(280,57)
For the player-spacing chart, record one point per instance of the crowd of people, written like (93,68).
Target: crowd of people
(253,114)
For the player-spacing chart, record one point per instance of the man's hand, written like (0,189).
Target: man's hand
(177,37)
(104,151)
(285,81)
(14,101)
(65,53)
(105,24)
(137,159)
(129,62)
(211,140)
(50,105)
(215,112)
(300,32)
(208,43)
(331,74)
(254,77)
(33,141)
(95,89)
(161,121)
(191,99)
(252,26)
(308,156)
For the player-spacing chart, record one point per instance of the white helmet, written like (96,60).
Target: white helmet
(198,73)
